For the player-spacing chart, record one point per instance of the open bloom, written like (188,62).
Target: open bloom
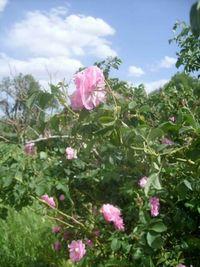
(76,250)
(70,153)
(112,214)
(143,181)
(49,200)
(155,206)
(180,265)
(90,89)
(30,149)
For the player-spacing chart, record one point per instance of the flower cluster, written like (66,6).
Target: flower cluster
(112,214)
(90,89)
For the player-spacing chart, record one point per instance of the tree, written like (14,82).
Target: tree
(189,44)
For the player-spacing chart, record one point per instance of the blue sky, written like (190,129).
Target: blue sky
(52,38)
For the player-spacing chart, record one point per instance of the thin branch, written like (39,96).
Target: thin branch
(47,138)
(5,139)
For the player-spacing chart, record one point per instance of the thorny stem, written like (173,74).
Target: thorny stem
(63,214)
(61,221)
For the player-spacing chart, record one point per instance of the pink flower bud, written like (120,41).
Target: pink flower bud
(70,153)
(155,206)
(30,149)
(48,200)
(57,246)
(89,243)
(62,197)
(172,119)
(143,181)
(56,229)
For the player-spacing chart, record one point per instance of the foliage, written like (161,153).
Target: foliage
(189,44)
(26,239)
(195,18)
(130,136)
(23,104)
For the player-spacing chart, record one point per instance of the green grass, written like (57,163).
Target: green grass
(26,240)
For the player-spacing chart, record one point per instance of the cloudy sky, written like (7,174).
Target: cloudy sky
(51,39)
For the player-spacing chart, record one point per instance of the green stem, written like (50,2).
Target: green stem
(63,214)
(61,221)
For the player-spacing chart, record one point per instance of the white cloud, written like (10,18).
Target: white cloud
(56,34)
(3,4)
(45,70)
(151,86)
(53,44)
(167,62)
(135,71)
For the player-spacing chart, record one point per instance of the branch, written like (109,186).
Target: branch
(5,139)
(47,138)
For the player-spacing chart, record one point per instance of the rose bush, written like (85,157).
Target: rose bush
(94,152)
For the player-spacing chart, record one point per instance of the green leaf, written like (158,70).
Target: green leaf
(43,155)
(158,227)
(154,240)
(132,105)
(187,184)
(107,121)
(115,244)
(155,133)
(152,181)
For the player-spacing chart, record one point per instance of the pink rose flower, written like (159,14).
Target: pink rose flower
(155,206)
(143,181)
(76,250)
(172,119)
(30,149)
(57,246)
(180,265)
(166,141)
(90,89)
(70,153)
(62,197)
(56,229)
(112,214)
(48,200)
(119,224)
